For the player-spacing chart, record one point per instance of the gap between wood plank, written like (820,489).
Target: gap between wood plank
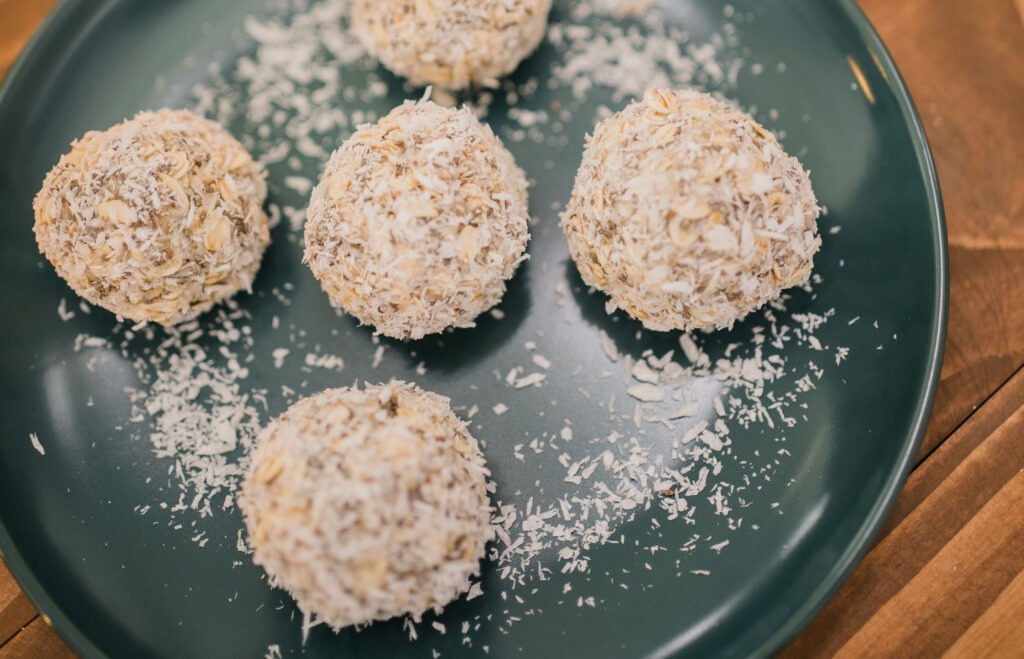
(941,502)
(19,629)
(967,575)
(944,459)
(37,641)
(1019,370)
(16,610)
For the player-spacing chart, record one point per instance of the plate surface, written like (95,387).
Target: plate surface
(777,513)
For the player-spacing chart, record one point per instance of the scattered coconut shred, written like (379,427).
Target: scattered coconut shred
(198,409)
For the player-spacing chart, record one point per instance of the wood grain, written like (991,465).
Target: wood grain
(16,610)
(966,575)
(997,632)
(18,19)
(969,514)
(954,452)
(37,641)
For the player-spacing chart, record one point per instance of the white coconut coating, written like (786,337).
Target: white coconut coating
(450,43)
(688,213)
(156,219)
(418,221)
(368,504)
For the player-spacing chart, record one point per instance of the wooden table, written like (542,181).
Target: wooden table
(947,572)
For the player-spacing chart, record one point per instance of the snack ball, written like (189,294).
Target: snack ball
(450,43)
(688,213)
(418,221)
(156,219)
(365,504)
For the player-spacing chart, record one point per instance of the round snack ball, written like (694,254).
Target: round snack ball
(417,221)
(368,504)
(688,213)
(156,219)
(450,43)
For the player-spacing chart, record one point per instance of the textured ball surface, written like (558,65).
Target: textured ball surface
(156,219)
(368,504)
(418,221)
(451,44)
(688,213)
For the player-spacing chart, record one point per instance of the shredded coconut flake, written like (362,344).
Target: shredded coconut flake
(36,444)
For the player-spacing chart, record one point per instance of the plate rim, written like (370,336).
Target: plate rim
(872,524)
(61,18)
(53,615)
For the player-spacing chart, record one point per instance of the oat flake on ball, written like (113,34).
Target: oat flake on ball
(688,213)
(156,219)
(368,504)
(450,43)
(418,221)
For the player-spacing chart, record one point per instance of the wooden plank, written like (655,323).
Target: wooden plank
(37,641)
(17,22)
(965,70)
(954,589)
(928,476)
(999,630)
(16,610)
(928,527)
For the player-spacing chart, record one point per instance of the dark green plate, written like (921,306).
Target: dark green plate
(804,498)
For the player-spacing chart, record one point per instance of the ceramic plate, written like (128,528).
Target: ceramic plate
(706,503)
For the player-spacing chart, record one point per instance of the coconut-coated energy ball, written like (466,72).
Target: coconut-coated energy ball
(688,213)
(156,219)
(450,43)
(418,221)
(365,504)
